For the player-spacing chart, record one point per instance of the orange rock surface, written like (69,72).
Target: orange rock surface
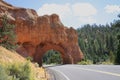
(38,34)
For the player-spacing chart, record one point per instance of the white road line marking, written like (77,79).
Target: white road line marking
(62,74)
(104,72)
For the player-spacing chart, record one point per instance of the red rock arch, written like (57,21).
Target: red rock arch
(41,50)
(37,34)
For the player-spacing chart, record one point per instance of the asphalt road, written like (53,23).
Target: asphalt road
(85,72)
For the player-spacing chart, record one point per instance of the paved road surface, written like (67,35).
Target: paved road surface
(85,72)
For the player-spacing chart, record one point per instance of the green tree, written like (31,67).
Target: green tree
(7,34)
(52,57)
(117,60)
(117,25)
(99,42)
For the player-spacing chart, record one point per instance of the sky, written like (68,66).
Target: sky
(75,13)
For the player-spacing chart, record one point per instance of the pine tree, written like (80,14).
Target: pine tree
(117,60)
(7,35)
(117,25)
(98,41)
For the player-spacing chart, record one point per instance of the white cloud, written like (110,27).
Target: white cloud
(71,14)
(49,9)
(83,9)
(112,8)
(87,20)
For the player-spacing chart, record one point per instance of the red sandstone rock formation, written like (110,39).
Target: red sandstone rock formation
(38,34)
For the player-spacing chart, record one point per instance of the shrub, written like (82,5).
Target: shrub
(16,71)
(29,58)
(107,63)
(85,62)
(3,74)
(20,71)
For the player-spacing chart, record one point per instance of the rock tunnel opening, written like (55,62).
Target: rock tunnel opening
(42,49)
(52,57)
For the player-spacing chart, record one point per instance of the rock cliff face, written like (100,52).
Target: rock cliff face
(38,34)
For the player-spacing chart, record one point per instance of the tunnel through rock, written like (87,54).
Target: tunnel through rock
(44,47)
